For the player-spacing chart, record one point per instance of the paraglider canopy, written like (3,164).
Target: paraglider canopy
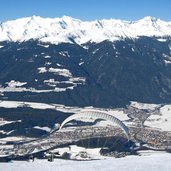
(98,115)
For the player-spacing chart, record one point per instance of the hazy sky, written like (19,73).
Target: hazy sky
(86,9)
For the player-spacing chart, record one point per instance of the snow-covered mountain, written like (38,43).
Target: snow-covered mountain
(67,29)
(100,63)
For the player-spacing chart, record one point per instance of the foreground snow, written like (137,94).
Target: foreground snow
(155,162)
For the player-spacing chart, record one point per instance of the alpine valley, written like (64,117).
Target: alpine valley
(49,66)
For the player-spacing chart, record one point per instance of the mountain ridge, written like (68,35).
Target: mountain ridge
(68,30)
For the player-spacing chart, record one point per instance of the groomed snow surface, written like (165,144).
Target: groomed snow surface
(152,162)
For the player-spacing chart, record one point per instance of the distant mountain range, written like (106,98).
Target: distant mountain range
(103,63)
(70,30)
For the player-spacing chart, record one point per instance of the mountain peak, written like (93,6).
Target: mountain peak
(149,18)
(35,17)
(65,17)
